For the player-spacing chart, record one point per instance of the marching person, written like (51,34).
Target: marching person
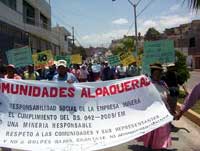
(90,77)
(31,74)
(159,138)
(83,73)
(190,101)
(76,70)
(107,73)
(63,75)
(121,71)
(132,70)
(11,73)
(173,82)
(52,72)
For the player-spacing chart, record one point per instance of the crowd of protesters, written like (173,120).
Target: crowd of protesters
(75,73)
(167,84)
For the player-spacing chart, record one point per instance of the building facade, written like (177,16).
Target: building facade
(26,22)
(186,39)
(64,41)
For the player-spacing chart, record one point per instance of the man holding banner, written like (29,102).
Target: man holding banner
(63,75)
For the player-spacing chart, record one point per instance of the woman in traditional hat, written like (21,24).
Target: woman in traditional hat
(159,138)
(11,73)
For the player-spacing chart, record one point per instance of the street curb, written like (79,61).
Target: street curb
(191,115)
(197,70)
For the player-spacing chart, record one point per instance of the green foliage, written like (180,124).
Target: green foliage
(152,34)
(194,4)
(181,67)
(125,44)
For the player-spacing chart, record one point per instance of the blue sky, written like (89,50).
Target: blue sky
(97,22)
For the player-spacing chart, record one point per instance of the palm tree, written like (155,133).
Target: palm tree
(194,4)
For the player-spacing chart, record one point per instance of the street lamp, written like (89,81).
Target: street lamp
(135,18)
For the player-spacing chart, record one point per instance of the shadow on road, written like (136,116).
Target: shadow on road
(176,129)
(142,148)
(138,148)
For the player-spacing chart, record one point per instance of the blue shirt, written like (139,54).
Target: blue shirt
(68,76)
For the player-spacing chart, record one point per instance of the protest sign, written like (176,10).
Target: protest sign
(37,115)
(114,60)
(20,57)
(161,51)
(76,59)
(66,58)
(43,59)
(126,58)
(139,60)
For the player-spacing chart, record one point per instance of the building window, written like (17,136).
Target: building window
(192,42)
(66,38)
(28,13)
(10,3)
(4,28)
(43,21)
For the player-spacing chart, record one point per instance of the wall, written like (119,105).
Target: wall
(15,18)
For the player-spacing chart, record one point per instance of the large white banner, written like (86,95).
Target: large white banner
(37,115)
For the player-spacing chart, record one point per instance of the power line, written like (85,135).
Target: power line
(131,26)
(71,27)
(145,7)
(138,2)
(62,21)
(77,35)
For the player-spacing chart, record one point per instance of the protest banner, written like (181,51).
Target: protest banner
(76,59)
(20,57)
(38,115)
(161,51)
(126,58)
(66,58)
(43,59)
(114,60)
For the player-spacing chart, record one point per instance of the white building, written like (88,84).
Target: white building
(26,22)
(64,40)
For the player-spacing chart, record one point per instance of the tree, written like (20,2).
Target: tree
(152,34)
(124,45)
(194,4)
(181,66)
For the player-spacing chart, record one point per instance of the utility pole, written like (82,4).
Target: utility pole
(73,39)
(135,17)
(136,35)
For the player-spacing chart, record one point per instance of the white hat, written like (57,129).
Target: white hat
(62,63)
(83,65)
(170,65)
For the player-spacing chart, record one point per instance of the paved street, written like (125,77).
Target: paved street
(186,137)
(194,79)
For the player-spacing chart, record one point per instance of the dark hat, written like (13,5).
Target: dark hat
(156,66)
